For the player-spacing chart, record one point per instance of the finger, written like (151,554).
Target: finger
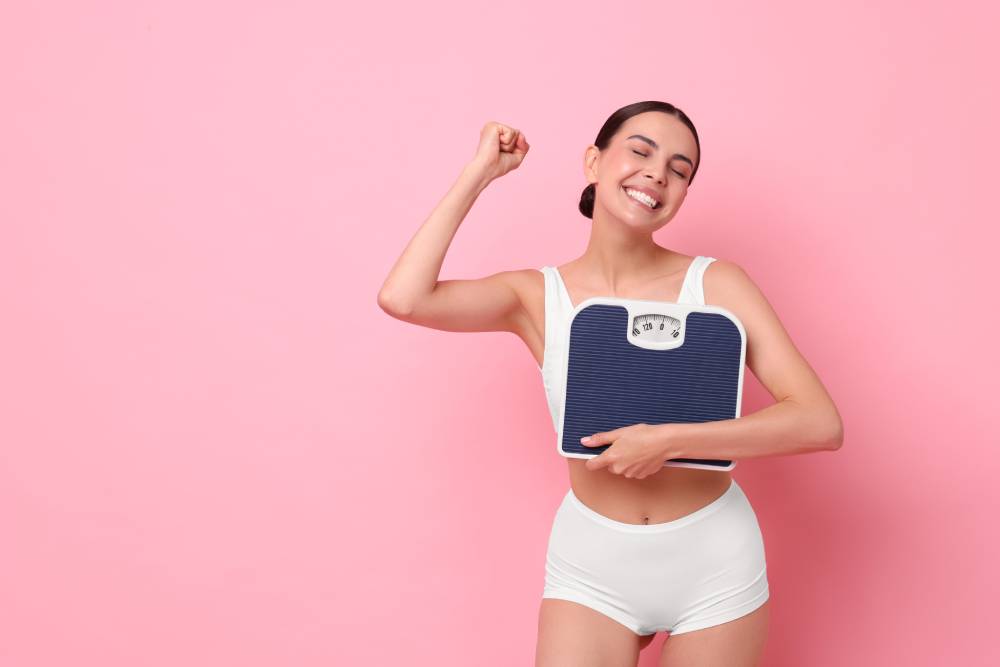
(509,138)
(597,462)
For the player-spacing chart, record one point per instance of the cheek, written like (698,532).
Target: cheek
(676,198)
(626,168)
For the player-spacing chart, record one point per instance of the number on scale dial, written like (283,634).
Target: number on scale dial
(656,327)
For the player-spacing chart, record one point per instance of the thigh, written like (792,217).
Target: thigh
(737,643)
(573,635)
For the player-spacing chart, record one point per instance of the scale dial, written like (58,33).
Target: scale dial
(656,327)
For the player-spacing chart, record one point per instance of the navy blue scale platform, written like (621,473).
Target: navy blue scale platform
(633,361)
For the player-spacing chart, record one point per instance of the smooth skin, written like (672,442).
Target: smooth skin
(573,635)
(621,260)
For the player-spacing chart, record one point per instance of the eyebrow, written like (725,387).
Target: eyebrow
(679,156)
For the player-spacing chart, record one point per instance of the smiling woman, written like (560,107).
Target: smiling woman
(637,546)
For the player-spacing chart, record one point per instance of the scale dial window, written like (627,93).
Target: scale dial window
(655,327)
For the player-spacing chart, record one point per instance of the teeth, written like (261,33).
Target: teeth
(641,197)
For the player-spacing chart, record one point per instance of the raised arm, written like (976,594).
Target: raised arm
(412,291)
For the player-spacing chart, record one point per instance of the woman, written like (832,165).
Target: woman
(636,547)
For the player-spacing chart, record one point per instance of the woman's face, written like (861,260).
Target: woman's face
(653,151)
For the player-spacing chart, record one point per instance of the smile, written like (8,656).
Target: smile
(643,200)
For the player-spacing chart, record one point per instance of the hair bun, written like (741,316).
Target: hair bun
(587,201)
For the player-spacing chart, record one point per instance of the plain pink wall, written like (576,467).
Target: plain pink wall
(215,448)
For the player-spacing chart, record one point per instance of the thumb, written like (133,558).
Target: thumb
(496,134)
(600,438)
(489,138)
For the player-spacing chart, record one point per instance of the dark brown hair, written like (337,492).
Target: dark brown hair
(615,121)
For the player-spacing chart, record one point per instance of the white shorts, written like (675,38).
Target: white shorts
(702,569)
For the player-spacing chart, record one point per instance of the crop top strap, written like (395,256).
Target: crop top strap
(693,289)
(554,308)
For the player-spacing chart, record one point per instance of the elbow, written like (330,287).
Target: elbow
(392,306)
(832,434)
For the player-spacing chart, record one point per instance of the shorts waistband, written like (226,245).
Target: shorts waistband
(717,504)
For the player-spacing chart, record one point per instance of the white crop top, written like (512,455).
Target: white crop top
(559,308)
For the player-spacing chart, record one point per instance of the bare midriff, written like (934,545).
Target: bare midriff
(666,495)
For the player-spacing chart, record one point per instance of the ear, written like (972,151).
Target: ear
(590,159)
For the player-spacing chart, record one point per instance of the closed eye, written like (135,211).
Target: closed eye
(644,155)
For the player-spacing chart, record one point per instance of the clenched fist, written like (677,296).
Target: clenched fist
(501,149)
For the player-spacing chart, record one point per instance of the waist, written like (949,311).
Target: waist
(666,495)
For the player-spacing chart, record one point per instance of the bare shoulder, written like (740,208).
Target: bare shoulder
(528,284)
(726,284)
(771,355)
(520,278)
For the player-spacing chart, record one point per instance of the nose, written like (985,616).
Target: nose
(657,175)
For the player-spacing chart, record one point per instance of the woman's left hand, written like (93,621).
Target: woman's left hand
(636,451)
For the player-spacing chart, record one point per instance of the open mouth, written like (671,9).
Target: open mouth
(641,203)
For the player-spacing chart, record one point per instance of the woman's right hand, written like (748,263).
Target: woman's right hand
(501,149)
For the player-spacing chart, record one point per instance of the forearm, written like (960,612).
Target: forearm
(783,428)
(415,273)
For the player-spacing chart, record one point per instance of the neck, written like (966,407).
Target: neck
(621,255)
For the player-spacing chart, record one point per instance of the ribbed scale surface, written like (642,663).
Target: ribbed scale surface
(611,383)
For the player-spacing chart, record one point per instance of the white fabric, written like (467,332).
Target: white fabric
(705,568)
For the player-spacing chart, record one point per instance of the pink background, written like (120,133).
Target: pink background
(215,448)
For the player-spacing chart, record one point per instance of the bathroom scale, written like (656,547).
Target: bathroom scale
(632,361)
